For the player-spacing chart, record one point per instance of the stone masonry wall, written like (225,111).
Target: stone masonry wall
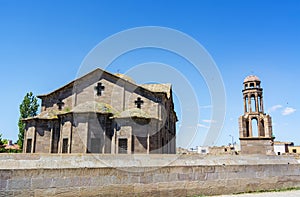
(257,146)
(143,175)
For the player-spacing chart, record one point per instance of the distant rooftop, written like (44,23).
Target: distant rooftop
(283,143)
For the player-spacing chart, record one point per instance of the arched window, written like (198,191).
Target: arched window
(254,127)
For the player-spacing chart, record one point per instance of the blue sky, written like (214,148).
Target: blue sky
(43,43)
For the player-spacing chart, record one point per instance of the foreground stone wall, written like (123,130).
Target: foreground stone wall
(143,175)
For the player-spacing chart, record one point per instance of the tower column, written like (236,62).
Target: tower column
(256,102)
(249,102)
(245,103)
(250,128)
(261,104)
(258,127)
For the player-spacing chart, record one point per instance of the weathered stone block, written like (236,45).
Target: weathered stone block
(3,184)
(6,174)
(23,193)
(38,183)
(209,169)
(61,182)
(6,193)
(19,184)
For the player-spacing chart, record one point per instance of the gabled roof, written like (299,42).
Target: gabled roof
(72,82)
(154,88)
(165,88)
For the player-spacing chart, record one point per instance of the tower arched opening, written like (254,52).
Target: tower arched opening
(254,124)
(246,104)
(259,104)
(253,103)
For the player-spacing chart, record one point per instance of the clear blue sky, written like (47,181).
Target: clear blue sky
(42,44)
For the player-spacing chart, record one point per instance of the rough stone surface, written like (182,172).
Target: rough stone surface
(295,193)
(143,175)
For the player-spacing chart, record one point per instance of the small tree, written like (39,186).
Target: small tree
(28,108)
(4,141)
(1,141)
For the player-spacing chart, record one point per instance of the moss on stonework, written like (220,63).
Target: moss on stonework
(67,109)
(93,106)
(134,112)
(49,114)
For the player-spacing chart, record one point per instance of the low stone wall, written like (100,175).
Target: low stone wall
(143,175)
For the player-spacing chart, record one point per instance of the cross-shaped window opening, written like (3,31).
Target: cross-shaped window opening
(60,104)
(99,89)
(139,102)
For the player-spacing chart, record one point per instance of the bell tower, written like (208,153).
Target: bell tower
(255,126)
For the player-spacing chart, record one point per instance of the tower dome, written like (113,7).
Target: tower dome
(251,78)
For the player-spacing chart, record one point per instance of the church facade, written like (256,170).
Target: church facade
(104,113)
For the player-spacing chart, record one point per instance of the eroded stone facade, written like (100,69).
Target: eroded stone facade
(104,113)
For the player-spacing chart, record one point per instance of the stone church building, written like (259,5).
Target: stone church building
(106,113)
